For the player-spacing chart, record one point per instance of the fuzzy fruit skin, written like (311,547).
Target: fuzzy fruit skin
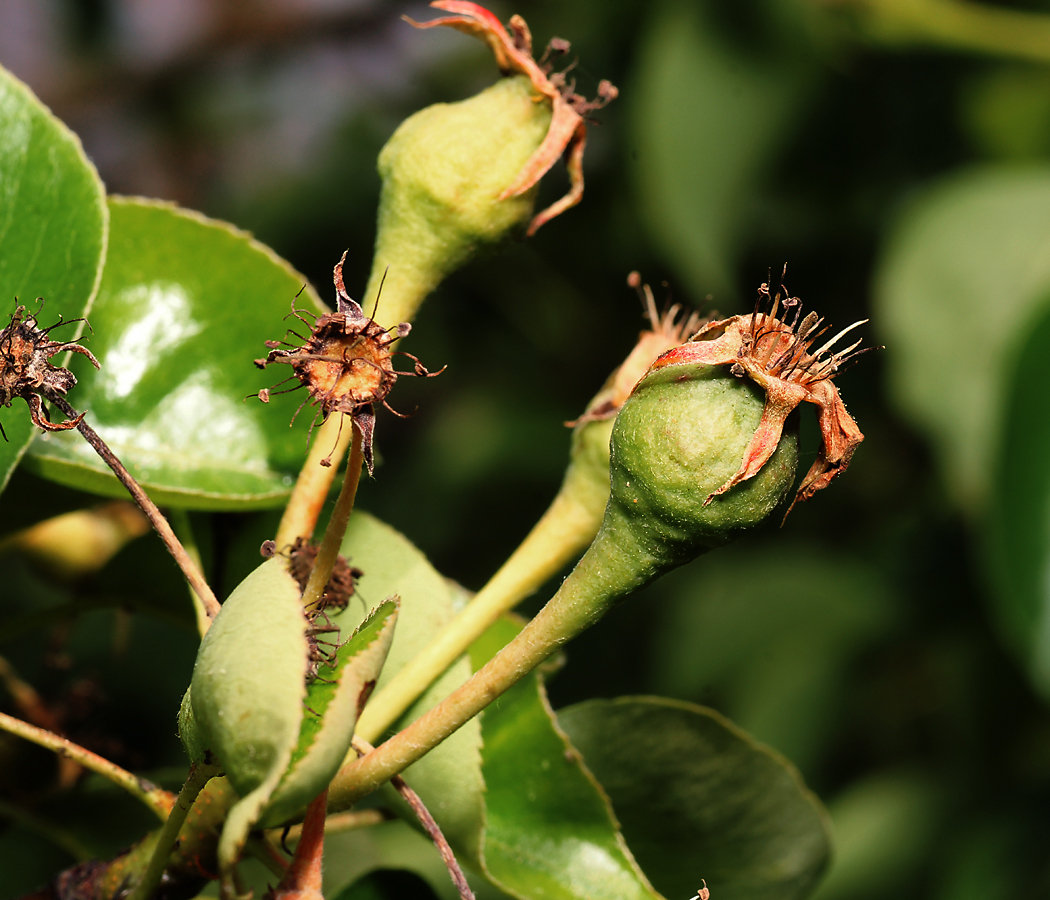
(443,171)
(679,437)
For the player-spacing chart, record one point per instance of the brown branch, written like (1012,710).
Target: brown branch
(174,545)
(429,825)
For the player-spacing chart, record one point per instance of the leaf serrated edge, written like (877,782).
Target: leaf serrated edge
(341,713)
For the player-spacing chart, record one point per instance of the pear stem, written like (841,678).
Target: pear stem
(566,528)
(333,536)
(613,566)
(199,776)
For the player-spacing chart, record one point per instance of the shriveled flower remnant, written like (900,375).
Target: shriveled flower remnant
(667,330)
(346,364)
(772,348)
(25,372)
(568,129)
(302,555)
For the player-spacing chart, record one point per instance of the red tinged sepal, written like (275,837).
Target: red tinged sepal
(774,349)
(567,134)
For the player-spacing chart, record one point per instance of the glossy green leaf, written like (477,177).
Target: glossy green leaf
(705,120)
(1019,524)
(549,831)
(53,221)
(699,799)
(964,269)
(449,777)
(185,305)
(333,703)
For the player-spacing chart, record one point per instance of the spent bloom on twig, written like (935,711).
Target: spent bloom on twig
(567,133)
(346,364)
(25,371)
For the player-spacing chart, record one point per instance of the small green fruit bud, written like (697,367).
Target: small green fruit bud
(459,176)
(588,474)
(443,172)
(679,437)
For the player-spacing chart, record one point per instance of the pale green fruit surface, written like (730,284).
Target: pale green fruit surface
(679,437)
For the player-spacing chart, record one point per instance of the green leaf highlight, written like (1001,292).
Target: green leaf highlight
(53,223)
(185,305)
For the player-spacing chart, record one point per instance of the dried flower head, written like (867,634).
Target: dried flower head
(568,130)
(342,584)
(667,330)
(25,372)
(346,364)
(773,349)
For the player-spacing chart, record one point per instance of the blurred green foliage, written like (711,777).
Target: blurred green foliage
(890,639)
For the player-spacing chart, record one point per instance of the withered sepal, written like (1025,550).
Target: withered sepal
(25,370)
(346,364)
(775,352)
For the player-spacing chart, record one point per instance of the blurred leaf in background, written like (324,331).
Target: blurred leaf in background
(707,118)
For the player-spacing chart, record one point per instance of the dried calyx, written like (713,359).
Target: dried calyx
(346,364)
(25,372)
(567,134)
(667,330)
(301,555)
(342,584)
(322,636)
(773,347)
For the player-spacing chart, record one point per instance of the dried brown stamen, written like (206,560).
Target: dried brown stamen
(302,556)
(667,330)
(346,364)
(775,352)
(25,372)
(342,585)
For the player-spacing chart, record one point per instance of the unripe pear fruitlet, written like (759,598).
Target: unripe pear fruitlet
(458,177)
(679,437)
(704,448)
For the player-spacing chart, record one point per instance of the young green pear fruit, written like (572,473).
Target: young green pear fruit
(679,437)
(460,176)
(443,172)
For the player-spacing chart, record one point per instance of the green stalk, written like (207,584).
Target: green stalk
(566,528)
(615,565)
(677,439)
(180,523)
(156,798)
(333,536)
(962,25)
(166,839)
(313,484)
